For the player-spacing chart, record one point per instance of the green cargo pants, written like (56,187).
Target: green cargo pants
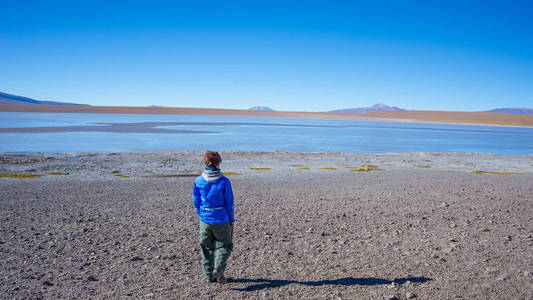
(217,238)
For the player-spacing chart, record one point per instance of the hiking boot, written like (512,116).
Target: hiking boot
(210,279)
(219,275)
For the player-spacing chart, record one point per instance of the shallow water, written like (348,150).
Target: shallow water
(259,134)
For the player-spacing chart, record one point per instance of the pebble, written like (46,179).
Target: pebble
(136,258)
(47,283)
(410,295)
(391,297)
(447,250)
(92,278)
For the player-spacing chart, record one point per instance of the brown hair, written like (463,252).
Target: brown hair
(212,159)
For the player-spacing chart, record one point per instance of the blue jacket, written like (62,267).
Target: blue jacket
(213,200)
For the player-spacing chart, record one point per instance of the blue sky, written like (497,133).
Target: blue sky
(288,55)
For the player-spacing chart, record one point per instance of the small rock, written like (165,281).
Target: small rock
(453,225)
(410,295)
(92,278)
(508,238)
(47,283)
(391,297)
(447,250)
(136,258)
(444,204)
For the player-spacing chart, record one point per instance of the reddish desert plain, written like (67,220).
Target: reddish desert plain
(479,118)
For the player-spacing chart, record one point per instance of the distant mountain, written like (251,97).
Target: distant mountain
(525,111)
(261,108)
(12,99)
(362,110)
(153,105)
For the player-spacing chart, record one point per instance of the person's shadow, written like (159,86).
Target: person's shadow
(260,283)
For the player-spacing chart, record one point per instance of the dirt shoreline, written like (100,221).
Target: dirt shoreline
(308,225)
(441,117)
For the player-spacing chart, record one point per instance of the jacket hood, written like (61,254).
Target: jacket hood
(212,174)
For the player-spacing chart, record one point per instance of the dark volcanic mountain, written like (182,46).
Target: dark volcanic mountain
(362,110)
(13,99)
(525,111)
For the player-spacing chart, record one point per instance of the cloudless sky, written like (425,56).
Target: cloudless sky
(288,55)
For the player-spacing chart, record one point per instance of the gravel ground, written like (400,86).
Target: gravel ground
(407,231)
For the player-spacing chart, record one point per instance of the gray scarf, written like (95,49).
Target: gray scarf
(211,174)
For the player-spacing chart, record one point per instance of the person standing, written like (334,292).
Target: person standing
(213,200)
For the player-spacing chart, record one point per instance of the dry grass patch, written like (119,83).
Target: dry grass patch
(368,168)
(230,173)
(422,166)
(495,173)
(20,175)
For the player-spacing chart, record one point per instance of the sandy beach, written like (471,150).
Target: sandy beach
(308,225)
(453,117)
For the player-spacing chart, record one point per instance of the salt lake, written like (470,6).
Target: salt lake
(257,134)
